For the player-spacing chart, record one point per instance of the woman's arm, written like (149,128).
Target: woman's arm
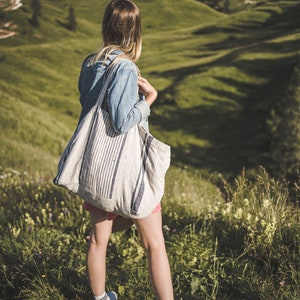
(125,107)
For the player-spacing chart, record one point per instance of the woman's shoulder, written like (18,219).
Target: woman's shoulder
(88,59)
(126,65)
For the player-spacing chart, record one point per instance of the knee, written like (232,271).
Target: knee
(95,243)
(153,246)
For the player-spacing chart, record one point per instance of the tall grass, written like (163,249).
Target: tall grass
(247,247)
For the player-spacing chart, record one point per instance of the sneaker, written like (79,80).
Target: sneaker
(112,295)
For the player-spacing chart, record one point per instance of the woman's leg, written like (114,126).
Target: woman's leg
(150,230)
(96,254)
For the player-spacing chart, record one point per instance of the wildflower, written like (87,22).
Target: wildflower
(249,217)
(282,283)
(229,207)
(28,219)
(246,202)
(266,203)
(15,231)
(224,212)
(239,213)
(65,211)
(166,227)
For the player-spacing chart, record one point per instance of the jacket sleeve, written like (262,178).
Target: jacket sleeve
(125,107)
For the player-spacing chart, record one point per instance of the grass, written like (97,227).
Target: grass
(244,248)
(39,80)
(212,71)
(218,76)
(233,92)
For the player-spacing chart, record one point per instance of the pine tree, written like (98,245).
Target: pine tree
(37,10)
(71,19)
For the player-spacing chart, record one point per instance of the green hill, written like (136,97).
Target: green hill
(214,72)
(220,79)
(39,70)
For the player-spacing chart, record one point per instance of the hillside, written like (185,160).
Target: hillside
(227,77)
(210,70)
(39,71)
(220,79)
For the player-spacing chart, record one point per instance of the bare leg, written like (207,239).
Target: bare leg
(150,230)
(96,255)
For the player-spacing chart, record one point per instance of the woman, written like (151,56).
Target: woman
(128,101)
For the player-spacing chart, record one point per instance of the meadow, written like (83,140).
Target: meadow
(231,226)
(245,248)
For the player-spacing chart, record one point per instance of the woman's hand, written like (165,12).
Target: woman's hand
(146,89)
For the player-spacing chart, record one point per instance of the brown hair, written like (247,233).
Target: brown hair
(121,30)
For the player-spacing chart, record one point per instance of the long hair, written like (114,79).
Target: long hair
(121,30)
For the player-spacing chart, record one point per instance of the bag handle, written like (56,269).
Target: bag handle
(107,77)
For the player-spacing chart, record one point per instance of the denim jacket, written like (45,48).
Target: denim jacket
(126,107)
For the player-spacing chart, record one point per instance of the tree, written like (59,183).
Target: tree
(71,19)
(37,11)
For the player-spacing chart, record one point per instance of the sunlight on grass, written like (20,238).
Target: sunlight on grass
(246,246)
(228,236)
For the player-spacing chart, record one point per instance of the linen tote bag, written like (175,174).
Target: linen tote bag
(119,173)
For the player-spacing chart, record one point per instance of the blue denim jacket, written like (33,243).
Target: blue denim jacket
(126,107)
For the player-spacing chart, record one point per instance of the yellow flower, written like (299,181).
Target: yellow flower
(239,213)
(249,217)
(15,231)
(28,219)
(266,203)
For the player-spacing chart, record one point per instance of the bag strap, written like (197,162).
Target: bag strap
(107,77)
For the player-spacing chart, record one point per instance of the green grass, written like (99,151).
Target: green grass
(40,67)
(211,70)
(244,248)
(218,76)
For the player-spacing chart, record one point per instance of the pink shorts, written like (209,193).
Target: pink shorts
(109,216)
